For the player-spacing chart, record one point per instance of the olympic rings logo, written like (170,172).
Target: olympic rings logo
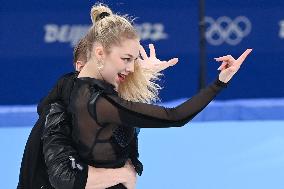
(226,30)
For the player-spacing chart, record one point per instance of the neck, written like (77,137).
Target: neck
(90,71)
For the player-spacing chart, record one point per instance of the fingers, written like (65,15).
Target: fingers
(143,52)
(229,58)
(152,51)
(229,62)
(225,58)
(173,61)
(223,65)
(241,59)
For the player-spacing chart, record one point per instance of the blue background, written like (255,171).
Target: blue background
(30,65)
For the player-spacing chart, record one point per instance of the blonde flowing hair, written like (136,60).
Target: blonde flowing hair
(110,29)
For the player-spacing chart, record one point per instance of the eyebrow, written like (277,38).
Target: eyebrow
(132,56)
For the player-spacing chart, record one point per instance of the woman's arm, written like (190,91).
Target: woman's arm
(115,110)
(64,167)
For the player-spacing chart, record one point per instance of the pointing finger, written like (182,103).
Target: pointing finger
(173,61)
(243,56)
(143,52)
(223,65)
(152,51)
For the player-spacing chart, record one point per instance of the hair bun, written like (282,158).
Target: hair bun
(99,11)
(103,14)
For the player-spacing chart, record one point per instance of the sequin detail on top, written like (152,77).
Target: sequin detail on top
(123,135)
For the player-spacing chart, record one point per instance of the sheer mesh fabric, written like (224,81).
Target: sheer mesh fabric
(105,124)
(96,143)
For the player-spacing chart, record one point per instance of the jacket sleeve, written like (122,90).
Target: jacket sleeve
(65,170)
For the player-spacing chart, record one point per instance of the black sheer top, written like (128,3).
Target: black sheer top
(104,124)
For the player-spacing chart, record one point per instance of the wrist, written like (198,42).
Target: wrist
(221,82)
(224,79)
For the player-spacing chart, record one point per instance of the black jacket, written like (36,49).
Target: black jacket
(33,171)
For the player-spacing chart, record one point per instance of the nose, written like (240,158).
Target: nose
(130,67)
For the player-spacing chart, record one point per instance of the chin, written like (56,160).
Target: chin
(115,85)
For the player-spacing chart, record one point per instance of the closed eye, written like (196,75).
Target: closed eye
(126,59)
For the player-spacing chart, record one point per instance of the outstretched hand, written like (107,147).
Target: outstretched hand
(230,66)
(152,62)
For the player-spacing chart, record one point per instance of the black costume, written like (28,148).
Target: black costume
(103,123)
(109,140)
(50,159)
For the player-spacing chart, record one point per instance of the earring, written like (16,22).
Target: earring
(100,64)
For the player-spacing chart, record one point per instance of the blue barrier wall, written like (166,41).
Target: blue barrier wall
(37,37)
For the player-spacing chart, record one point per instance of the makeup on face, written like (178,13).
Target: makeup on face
(121,61)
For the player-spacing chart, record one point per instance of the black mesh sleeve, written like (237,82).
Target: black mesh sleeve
(115,110)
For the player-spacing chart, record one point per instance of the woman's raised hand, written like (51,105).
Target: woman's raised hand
(152,62)
(230,66)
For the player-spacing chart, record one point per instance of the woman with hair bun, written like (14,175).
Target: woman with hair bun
(52,153)
(58,150)
(112,95)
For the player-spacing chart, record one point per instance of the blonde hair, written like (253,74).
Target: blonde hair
(80,51)
(139,86)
